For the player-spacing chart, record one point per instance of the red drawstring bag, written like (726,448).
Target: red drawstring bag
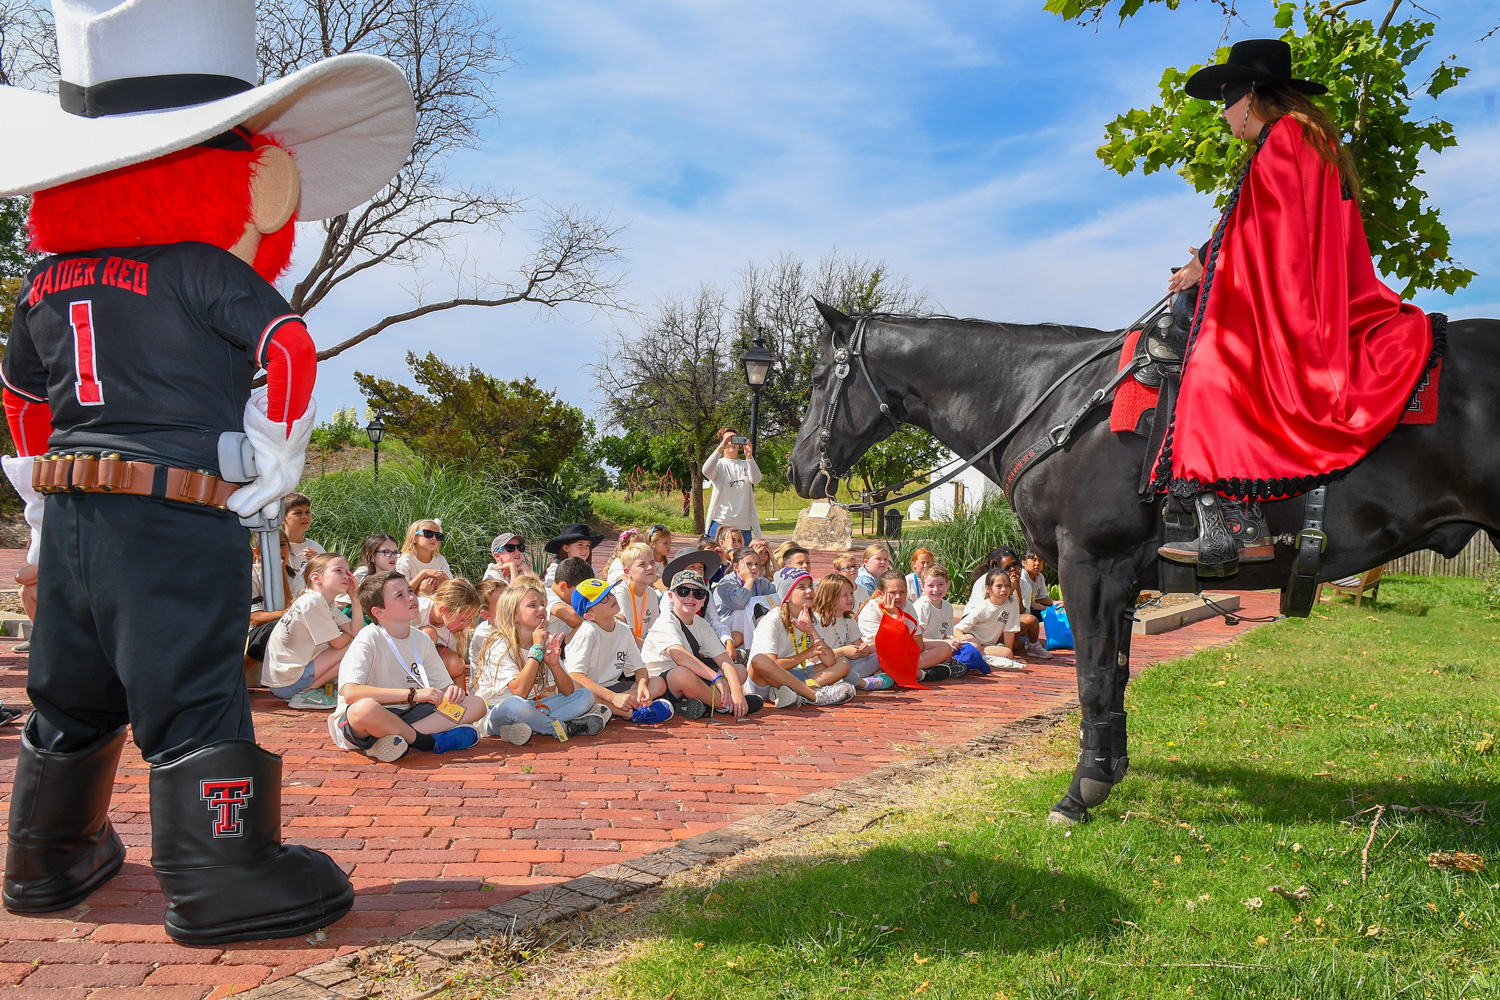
(898,649)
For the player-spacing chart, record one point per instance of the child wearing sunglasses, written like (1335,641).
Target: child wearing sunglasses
(683,647)
(420,552)
(509,550)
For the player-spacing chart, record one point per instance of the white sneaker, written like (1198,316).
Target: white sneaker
(313,700)
(1036,649)
(518,733)
(834,694)
(387,749)
(784,697)
(602,710)
(1002,663)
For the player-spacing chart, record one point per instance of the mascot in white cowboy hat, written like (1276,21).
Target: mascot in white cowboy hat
(166,185)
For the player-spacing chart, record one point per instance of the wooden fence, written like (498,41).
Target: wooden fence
(1477,558)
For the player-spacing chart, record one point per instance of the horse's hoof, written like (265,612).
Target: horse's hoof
(1068,812)
(1055,818)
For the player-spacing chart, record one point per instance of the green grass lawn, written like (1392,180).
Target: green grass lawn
(1253,766)
(646,509)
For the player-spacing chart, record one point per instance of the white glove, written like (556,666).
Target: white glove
(18,471)
(278,458)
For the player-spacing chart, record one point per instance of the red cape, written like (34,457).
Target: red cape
(1304,360)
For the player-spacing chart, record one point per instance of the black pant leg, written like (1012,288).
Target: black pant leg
(70,679)
(166,586)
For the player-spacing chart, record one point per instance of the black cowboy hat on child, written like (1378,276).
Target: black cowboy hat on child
(1254,60)
(576,532)
(710,560)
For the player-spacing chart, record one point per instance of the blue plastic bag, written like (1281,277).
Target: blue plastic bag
(1059,632)
(972,657)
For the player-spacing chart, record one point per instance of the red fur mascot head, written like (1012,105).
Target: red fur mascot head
(199,194)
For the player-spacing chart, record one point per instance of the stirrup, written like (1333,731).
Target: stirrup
(1214,550)
(1247,523)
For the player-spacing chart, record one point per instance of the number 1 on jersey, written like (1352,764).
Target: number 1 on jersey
(87,387)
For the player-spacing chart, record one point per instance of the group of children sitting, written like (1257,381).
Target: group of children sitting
(404,655)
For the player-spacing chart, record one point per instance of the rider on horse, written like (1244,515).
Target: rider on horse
(1298,359)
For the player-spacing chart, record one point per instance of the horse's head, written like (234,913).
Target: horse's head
(844,414)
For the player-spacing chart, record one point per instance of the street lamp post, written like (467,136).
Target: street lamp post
(757,362)
(376,430)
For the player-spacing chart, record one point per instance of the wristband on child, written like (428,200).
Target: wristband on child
(537,652)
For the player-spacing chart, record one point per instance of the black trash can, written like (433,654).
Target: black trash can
(893,521)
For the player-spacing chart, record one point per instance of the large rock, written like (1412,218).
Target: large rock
(824,526)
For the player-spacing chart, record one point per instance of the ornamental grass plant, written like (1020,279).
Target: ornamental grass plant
(960,544)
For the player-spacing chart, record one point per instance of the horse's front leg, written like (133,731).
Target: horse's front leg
(1099,591)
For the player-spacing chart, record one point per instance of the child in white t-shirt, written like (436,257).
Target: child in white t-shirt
(308,642)
(994,625)
(934,614)
(525,687)
(834,621)
(509,550)
(935,662)
(295,521)
(602,656)
(392,683)
(420,561)
(561,618)
(635,591)
(685,649)
(445,618)
(790,664)
(1030,640)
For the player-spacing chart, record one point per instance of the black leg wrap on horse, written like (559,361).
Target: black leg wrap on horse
(1094,776)
(216,847)
(60,845)
(1119,754)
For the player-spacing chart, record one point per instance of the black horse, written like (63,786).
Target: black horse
(965,381)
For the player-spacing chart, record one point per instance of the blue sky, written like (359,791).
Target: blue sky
(952,140)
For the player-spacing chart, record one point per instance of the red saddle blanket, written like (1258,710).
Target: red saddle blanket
(1134,401)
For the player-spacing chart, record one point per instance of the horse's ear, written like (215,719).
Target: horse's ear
(835,319)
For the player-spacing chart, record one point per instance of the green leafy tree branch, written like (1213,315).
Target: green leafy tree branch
(1371,95)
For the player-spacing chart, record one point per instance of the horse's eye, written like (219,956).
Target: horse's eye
(818,381)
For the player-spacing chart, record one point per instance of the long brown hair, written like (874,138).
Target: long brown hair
(1271,102)
(826,597)
(504,631)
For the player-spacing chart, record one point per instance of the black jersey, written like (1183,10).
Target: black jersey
(146,351)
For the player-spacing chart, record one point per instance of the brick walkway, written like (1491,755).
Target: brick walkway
(424,841)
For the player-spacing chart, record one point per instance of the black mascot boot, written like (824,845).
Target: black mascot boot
(216,847)
(1214,550)
(60,844)
(1093,777)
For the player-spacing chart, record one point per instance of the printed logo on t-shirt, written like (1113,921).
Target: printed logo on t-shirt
(620,657)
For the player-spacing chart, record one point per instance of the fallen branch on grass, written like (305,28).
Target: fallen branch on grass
(1364,855)
(1474,816)
(1301,894)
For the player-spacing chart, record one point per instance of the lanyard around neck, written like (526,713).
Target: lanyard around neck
(637,615)
(423,680)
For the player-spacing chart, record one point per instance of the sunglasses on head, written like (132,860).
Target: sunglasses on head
(512,547)
(429,533)
(691,593)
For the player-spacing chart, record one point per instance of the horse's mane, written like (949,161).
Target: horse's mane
(924,319)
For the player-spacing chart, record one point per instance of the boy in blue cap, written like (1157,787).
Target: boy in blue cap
(603,657)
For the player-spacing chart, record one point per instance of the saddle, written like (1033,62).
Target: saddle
(1163,341)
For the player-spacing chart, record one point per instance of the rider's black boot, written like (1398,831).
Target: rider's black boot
(1214,550)
(216,847)
(61,846)
(1247,524)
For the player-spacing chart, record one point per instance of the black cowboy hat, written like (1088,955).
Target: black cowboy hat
(576,532)
(1255,60)
(710,559)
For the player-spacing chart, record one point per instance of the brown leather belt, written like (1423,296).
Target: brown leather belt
(111,474)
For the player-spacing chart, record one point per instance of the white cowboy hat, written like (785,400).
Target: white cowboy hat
(143,78)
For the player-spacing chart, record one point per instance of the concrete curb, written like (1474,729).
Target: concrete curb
(456,938)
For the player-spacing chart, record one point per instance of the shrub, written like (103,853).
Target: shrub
(341,431)
(961,543)
(347,506)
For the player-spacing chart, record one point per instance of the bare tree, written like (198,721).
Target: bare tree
(679,377)
(452,53)
(776,299)
(28,45)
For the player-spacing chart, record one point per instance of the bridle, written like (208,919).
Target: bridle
(1056,437)
(854,351)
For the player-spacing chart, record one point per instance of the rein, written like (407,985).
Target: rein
(1056,438)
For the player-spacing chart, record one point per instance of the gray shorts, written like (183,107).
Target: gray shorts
(411,715)
(297,686)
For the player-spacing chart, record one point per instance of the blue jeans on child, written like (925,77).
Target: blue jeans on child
(558,708)
(297,686)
